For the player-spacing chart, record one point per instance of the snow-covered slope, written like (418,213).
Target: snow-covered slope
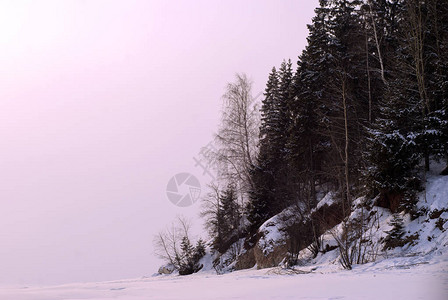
(425,236)
(419,270)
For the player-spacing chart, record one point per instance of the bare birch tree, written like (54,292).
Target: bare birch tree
(168,242)
(237,138)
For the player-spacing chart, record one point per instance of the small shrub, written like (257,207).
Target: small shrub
(439,224)
(411,239)
(436,213)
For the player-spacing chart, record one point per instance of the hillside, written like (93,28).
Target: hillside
(418,270)
(425,236)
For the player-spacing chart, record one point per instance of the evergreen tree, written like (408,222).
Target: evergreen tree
(199,251)
(224,217)
(268,129)
(412,123)
(283,189)
(189,262)
(333,71)
(230,212)
(435,40)
(393,153)
(262,196)
(271,192)
(395,236)
(307,145)
(303,148)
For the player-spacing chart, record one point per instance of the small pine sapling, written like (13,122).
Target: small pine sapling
(395,236)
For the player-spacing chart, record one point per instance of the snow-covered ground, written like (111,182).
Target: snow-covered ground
(393,278)
(417,271)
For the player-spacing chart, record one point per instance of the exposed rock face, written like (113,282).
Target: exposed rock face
(166,269)
(287,231)
(272,244)
(272,258)
(327,214)
(390,200)
(246,260)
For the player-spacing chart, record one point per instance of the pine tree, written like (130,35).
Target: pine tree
(307,145)
(435,58)
(199,250)
(186,265)
(229,214)
(262,196)
(335,73)
(190,256)
(268,110)
(395,236)
(283,189)
(303,151)
(409,129)
(230,211)
(271,192)
(392,152)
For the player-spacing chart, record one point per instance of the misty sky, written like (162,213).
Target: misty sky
(101,103)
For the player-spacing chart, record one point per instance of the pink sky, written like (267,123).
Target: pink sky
(101,102)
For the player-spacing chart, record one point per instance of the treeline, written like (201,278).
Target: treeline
(364,108)
(361,113)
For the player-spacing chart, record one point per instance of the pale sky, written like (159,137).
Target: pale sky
(101,103)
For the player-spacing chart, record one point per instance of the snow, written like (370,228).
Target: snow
(437,192)
(328,200)
(273,230)
(415,271)
(272,236)
(396,278)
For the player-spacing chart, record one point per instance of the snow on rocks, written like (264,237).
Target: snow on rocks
(272,245)
(166,269)
(271,234)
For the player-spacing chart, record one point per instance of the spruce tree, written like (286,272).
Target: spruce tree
(230,218)
(262,196)
(269,175)
(395,236)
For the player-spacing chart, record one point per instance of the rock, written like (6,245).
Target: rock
(272,245)
(390,200)
(286,231)
(327,214)
(166,269)
(245,260)
(271,259)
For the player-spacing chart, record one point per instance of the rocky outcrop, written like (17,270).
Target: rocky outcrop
(288,232)
(327,214)
(272,243)
(390,200)
(246,260)
(272,258)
